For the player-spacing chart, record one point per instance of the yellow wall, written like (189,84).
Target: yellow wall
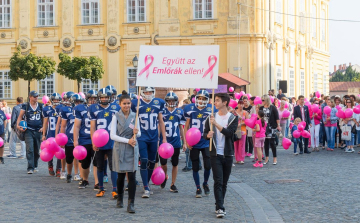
(244,39)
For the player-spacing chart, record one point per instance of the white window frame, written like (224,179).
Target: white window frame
(45,81)
(137,15)
(131,78)
(291,83)
(302,82)
(291,13)
(302,13)
(315,87)
(325,84)
(91,16)
(313,21)
(2,15)
(91,84)
(323,26)
(279,10)
(8,94)
(279,76)
(47,19)
(203,10)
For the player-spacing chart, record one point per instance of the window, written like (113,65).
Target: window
(203,9)
(45,12)
(132,80)
(278,77)
(5,13)
(302,82)
(315,82)
(323,28)
(90,11)
(87,85)
(302,19)
(5,85)
(46,86)
(291,12)
(292,83)
(325,84)
(279,11)
(313,21)
(136,10)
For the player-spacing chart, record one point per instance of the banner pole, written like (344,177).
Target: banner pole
(212,113)
(137,112)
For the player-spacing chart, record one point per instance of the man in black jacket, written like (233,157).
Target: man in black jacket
(222,152)
(302,111)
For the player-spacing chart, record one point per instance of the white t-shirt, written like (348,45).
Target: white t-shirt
(220,138)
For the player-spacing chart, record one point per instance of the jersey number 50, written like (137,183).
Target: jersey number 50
(147,120)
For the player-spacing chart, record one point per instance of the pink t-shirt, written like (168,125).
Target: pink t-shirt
(261,133)
(328,124)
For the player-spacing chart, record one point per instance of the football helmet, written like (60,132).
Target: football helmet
(202,103)
(147,89)
(55,96)
(171,100)
(104,92)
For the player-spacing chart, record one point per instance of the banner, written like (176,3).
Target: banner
(178,66)
(221,89)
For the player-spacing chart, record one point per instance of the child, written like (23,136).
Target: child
(296,141)
(260,129)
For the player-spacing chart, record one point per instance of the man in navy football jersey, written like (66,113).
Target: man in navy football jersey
(174,121)
(58,125)
(150,115)
(101,116)
(3,122)
(33,116)
(196,115)
(49,126)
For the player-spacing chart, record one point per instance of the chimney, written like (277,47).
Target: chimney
(340,67)
(334,68)
(344,67)
(349,64)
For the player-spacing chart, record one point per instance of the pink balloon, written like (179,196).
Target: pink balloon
(61,139)
(46,155)
(286,105)
(291,125)
(193,136)
(166,150)
(254,116)
(233,103)
(338,107)
(308,104)
(297,133)
(242,92)
(286,143)
(1,142)
(301,127)
(45,99)
(80,152)
(317,94)
(315,108)
(306,100)
(60,154)
(62,94)
(305,134)
(250,123)
(193,100)
(340,114)
(43,145)
(158,176)
(257,101)
(348,113)
(272,99)
(248,95)
(237,96)
(8,116)
(285,114)
(197,89)
(51,145)
(100,138)
(327,110)
(82,94)
(231,89)
(356,110)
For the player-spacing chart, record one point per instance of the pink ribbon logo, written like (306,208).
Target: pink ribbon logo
(147,65)
(211,66)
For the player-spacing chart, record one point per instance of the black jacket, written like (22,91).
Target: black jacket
(297,114)
(227,132)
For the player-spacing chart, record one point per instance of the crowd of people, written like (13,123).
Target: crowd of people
(134,143)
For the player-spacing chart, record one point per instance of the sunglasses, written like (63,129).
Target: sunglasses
(262,100)
(35,96)
(348,102)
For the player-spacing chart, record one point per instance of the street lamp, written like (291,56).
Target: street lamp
(135,61)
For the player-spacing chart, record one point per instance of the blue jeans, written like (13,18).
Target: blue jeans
(32,141)
(287,128)
(322,134)
(330,135)
(188,162)
(358,136)
(296,141)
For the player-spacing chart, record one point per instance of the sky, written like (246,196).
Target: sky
(344,37)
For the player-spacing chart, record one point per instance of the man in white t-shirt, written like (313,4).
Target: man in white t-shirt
(222,152)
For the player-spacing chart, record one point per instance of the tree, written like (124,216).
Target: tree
(30,67)
(80,68)
(350,75)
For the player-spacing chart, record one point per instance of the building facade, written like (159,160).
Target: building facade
(259,40)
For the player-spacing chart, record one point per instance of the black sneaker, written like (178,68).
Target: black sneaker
(68,178)
(186,169)
(198,193)
(2,160)
(206,189)
(96,187)
(173,189)
(80,181)
(83,184)
(164,183)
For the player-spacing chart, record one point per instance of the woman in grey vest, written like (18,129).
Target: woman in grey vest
(126,151)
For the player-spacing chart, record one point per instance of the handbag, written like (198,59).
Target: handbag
(353,129)
(346,132)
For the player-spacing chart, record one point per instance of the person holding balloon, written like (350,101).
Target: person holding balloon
(330,121)
(295,135)
(315,117)
(260,129)
(348,120)
(3,122)
(302,111)
(240,144)
(283,115)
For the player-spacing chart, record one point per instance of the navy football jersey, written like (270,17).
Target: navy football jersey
(103,117)
(81,113)
(58,108)
(2,120)
(50,113)
(197,120)
(172,121)
(148,117)
(66,113)
(33,116)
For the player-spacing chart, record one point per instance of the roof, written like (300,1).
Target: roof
(234,79)
(343,86)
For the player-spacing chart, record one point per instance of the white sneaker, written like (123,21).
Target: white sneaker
(36,170)
(252,157)
(220,213)
(233,164)
(352,150)
(348,150)
(296,153)
(77,177)
(146,194)
(63,175)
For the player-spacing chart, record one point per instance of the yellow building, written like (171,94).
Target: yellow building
(255,44)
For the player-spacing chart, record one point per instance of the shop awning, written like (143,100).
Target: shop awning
(233,79)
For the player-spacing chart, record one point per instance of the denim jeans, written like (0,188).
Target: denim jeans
(287,128)
(12,144)
(296,141)
(322,134)
(32,141)
(188,162)
(330,135)
(358,136)
(221,168)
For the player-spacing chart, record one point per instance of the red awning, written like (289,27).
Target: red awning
(234,79)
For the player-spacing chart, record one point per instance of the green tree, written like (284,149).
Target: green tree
(350,75)
(30,67)
(80,68)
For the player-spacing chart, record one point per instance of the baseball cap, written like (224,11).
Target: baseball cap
(33,94)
